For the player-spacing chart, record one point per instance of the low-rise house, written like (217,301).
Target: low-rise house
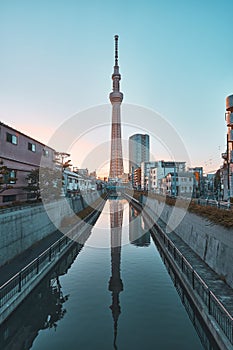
(19,155)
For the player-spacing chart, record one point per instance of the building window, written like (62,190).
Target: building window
(11,138)
(9,198)
(31,147)
(45,153)
(12,177)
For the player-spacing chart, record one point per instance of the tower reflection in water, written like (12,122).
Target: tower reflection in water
(138,235)
(115,282)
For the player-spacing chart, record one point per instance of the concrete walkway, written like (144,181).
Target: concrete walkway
(221,290)
(20,261)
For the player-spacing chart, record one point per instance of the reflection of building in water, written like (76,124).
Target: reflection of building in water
(42,309)
(138,235)
(115,282)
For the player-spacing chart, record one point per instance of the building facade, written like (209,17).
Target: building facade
(75,183)
(145,174)
(19,155)
(199,186)
(137,178)
(229,152)
(160,171)
(139,151)
(178,184)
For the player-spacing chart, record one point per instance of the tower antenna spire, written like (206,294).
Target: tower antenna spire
(116,50)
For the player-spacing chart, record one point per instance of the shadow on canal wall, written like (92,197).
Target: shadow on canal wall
(26,225)
(15,290)
(213,243)
(42,310)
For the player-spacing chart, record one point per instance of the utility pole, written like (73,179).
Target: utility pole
(175,179)
(228,174)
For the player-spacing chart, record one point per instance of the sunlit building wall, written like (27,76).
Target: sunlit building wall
(229,121)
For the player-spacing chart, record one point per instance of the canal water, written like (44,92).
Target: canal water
(112,293)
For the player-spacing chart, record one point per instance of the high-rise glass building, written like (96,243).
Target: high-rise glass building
(139,150)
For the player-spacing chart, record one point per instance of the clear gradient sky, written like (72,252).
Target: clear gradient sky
(175,57)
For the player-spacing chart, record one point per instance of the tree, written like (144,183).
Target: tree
(33,183)
(50,181)
(45,183)
(5,177)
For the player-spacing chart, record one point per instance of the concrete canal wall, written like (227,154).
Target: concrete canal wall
(213,243)
(19,287)
(22,227)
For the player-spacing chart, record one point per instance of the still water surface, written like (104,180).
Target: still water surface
(116,294)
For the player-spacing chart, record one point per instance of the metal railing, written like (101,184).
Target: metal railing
(15,285)
(214,306)
(213,203)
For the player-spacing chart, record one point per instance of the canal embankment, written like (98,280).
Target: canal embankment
(213,243)
(24,280)
(24,226)
(209,293)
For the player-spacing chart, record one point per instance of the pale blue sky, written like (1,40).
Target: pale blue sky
(175,57)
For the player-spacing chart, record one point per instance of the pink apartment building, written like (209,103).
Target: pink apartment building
(20,154)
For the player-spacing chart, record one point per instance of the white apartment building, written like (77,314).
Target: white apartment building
(178,184)
(145,174)
(160,171)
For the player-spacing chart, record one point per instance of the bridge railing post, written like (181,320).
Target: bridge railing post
(20,281)
(50,254)
(209,302)
(37,265)
(193,279)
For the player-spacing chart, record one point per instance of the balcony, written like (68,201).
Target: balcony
(229,119)
(230,136)
(229,103)
(231,157)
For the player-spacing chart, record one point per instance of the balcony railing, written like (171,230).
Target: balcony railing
(230,135)
(229,119)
